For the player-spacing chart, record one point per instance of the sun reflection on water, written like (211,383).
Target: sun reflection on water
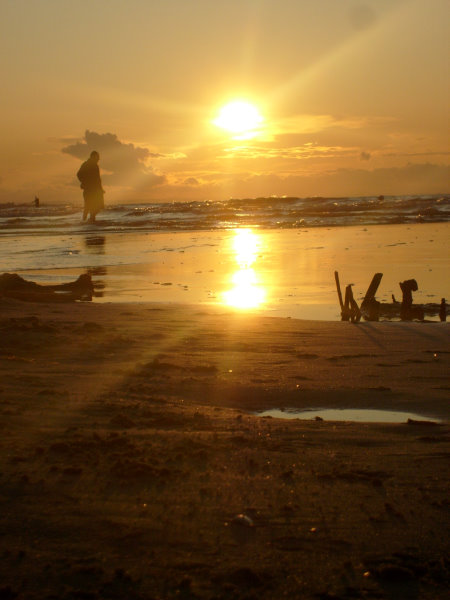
(247,291)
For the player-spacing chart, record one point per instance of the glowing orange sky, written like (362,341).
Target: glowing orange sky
(354,96)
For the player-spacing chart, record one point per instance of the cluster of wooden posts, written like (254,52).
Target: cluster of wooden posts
(372,310)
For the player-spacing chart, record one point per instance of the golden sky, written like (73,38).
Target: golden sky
(352,97)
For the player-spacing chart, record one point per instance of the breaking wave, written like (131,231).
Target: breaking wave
(263,213)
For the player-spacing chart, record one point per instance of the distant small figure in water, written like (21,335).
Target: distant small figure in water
(36,202)
(443,310)
(91,184)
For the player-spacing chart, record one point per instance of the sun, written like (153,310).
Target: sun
(240,118)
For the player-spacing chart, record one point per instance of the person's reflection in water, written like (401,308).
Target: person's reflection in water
(99,284)
(95,244)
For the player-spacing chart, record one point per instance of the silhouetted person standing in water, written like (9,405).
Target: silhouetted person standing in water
(91,184)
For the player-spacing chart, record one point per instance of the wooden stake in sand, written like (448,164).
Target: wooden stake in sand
(407,311)
(369,306)
(338,287)
(349,307)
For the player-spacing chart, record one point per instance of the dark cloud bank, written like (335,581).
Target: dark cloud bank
(413,179)
(125,164)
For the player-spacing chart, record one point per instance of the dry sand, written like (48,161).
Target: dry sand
(129,449)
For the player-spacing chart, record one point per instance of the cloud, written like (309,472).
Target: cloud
(191,181)
(411,179)
(306,151)
(125,164)
(310,124)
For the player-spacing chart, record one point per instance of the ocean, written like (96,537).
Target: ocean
(276,255)
(262,213)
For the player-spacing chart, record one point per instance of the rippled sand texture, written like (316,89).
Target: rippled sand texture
(132,465)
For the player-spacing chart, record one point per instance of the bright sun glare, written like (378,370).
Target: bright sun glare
(240,118)
(246,291)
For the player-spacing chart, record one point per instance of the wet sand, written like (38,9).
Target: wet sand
(133,465)
(278,272)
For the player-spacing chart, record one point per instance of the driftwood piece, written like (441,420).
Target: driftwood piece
(339,293)
(351,308)
(372,310)
(407,311)
(14,286)
(370,307)
(392,310)
(373,287)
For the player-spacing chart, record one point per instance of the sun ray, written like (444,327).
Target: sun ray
(349,45)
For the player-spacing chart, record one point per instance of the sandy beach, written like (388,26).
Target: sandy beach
(224,300)
(134,464)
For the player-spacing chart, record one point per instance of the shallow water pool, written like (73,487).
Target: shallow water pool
(360,415)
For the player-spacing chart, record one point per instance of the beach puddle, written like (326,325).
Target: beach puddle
(360,415)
